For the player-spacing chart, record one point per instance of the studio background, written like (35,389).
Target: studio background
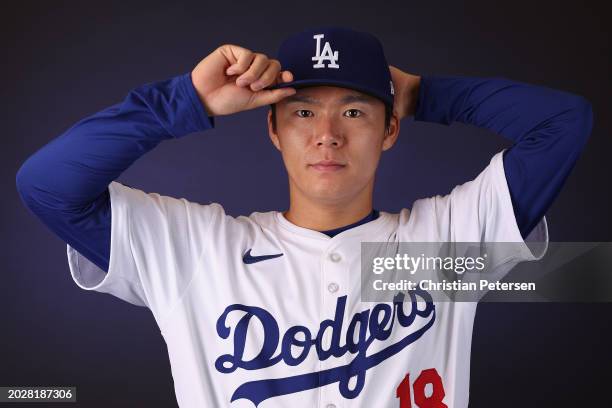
(62,61)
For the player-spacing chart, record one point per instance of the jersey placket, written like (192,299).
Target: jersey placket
(333,286)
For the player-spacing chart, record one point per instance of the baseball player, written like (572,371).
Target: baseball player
(264,310)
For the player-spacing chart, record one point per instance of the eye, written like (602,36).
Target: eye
(304,113)
(353,113)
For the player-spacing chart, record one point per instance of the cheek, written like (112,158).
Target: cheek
(292,150)
(366,153)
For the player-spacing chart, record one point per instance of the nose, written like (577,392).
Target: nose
(328,133)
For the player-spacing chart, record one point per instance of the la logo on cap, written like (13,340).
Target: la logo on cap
(326,55)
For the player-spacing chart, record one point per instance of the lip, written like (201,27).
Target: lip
(328,165)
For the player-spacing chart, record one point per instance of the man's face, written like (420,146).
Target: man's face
(331,139)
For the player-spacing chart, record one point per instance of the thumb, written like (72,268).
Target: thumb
(269,97)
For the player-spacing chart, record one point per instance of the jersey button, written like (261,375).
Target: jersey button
(330,406)
(335,257)
(333,287)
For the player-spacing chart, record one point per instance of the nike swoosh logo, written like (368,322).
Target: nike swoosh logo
(247,258)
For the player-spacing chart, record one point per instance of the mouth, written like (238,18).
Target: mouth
(327,166)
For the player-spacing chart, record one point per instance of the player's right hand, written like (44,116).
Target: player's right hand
(233,79)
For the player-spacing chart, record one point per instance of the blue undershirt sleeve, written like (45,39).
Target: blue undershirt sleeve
(549,129)
(65,183)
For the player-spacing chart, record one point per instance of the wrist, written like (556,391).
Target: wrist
(201,113)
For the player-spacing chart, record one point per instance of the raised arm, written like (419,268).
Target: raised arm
(549,129)
(65,183)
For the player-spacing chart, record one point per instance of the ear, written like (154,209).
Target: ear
(392,132)
(273,135)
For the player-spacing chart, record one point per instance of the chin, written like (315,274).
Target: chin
(330,192)
(332,188)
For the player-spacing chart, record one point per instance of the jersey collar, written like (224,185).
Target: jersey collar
(368,229)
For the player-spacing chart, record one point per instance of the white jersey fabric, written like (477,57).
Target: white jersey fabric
(244,335)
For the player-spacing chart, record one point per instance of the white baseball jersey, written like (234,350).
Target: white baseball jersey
(257,311)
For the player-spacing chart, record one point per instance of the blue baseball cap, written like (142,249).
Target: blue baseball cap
(337,56)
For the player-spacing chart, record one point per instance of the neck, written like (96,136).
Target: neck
(327,215)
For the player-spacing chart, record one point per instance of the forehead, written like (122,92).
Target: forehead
(320,95)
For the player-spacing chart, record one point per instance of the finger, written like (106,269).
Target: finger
(268,76)
(267,97)
(243,58)
(258,66)
(282,77)
(285,76)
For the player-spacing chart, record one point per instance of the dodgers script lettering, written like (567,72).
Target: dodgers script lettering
(367,326)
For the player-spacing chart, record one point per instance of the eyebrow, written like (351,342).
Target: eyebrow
(313,101)
(357,98)
(301,98)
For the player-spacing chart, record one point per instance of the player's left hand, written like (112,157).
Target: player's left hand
(406,92)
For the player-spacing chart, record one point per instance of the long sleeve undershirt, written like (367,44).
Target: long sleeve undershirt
(65,183)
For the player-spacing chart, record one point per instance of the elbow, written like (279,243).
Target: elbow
(31,182)
(569,130)
(47,184)
(24,183)
(575,122)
